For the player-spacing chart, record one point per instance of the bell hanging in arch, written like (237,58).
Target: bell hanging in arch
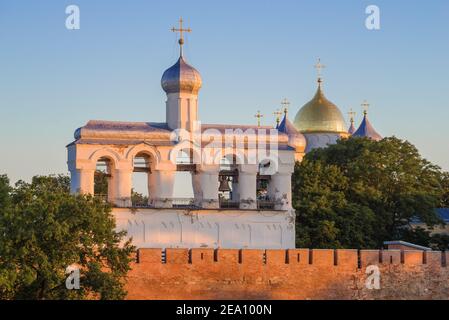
(224,185)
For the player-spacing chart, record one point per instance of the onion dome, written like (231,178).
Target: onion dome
(367,130)
(320,115)
(181,77)
(295,138)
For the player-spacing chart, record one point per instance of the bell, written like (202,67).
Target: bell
(224,185)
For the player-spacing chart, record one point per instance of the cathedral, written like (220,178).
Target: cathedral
(240,174)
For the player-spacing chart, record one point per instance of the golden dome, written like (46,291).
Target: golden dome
(320,115)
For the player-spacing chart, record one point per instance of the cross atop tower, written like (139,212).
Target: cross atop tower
(258,115)
(319,67)
(278,115)
(181,36)
(285,104)
(365,105)
(351,115)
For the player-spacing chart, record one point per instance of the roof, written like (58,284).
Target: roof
(129,133)
(407,244)
(121,126)
(367,130)
(119,132)
(223,127)
(351,129)
(287,127)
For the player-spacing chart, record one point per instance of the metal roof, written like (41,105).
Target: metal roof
(407,244)
(367,130)
(287,127)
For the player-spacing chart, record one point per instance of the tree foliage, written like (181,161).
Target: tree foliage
(359,193)
(445,185)
(101,183)
(44,230)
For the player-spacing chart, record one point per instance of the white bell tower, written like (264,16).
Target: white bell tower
(181,82)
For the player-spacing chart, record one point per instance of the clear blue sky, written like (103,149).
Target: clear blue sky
(251,54)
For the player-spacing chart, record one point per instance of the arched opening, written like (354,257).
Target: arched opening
(264,191)
(104,179)
(143,163)
(183,192)
(228,192)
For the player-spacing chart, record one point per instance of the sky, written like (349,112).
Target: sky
(251,54)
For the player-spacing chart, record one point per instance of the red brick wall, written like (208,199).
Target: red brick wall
(287,274)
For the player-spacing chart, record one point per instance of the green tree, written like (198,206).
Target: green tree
(439,242)
(359,193)
(138,198)
(5,190)
(101,183)
(424,237)
(445,183)
(7,275)
(45,229)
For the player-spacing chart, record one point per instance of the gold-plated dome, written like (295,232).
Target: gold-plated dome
(320,115)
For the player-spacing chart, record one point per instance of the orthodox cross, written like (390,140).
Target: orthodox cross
(365,105)
(351,115)
(181,36)
(258,115)
(278,115)
(285,104)
(319,67)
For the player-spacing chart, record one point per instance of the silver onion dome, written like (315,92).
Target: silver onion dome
(181,77)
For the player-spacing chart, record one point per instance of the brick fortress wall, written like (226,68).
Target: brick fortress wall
(286,274)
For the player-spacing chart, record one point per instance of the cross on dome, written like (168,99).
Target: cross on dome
(278,115)
(351,114)
(285,104)
(181,30)
(365,105)
(319,67)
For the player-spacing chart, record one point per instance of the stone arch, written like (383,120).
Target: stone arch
(105,153)
(268,165)
(238,156)
(189,146)
(229,172)
(112,159)
(144,159)
(144,148)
